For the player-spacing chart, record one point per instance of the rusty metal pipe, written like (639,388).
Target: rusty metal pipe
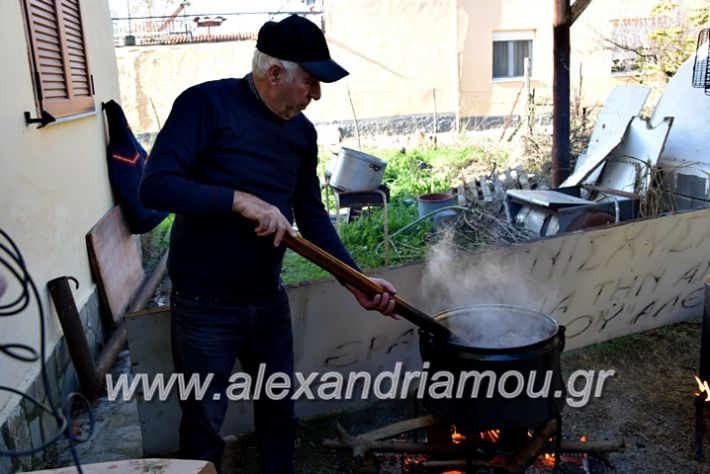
(147,289)
(73,330)
(118,339)
(110,352)
(90,374)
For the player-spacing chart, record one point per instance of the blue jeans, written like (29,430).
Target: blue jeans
(207,336)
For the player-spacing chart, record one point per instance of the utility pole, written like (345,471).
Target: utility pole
(561,150)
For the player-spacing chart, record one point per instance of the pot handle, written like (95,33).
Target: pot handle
(375,168)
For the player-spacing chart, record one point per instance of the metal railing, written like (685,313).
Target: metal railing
(214,27)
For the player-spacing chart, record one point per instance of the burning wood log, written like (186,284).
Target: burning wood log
(459,455)
(400,427)
(364,443)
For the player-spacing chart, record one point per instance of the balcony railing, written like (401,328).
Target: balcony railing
(158,30)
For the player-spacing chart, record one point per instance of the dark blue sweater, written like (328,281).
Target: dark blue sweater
(218,138)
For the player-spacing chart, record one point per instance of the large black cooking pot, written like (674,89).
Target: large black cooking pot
(501,341)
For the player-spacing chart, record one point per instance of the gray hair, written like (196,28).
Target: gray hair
(261,62)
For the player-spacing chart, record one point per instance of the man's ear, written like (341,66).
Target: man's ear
(275,74)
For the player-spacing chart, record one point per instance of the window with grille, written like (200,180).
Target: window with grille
(60,67)
(510,48)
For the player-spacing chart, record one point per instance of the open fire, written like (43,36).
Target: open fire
(457,437)
(429,445)
(490,436)
(548,459)
(703,387)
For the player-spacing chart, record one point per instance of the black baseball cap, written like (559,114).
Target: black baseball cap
(299,40)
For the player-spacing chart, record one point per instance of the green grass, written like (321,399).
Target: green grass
(155,243)
(417,172)
(297,269)
(408,174)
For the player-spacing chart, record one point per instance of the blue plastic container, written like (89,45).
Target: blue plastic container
(427,203)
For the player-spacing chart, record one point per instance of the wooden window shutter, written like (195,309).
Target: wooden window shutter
(61,68)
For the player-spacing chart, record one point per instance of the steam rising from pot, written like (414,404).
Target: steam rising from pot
(450,281)
(499,326)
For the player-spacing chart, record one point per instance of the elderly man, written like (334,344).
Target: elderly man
(236,162)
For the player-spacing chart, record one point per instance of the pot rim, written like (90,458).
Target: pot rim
(362,156)
(502,350)
(435,197)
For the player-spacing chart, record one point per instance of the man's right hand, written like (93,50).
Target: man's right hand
(269,219)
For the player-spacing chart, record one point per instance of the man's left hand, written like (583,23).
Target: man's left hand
(382,302)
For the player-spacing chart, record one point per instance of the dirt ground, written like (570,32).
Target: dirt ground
(648,404)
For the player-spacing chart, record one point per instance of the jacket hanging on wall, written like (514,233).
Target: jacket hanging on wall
(126,159)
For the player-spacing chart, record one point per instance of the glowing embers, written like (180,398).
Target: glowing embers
(702,398)
(490,436)
(548,459)
(452,449)
(703,387)
(456,437)
(430,445)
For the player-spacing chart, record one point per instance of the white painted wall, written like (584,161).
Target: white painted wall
(53,182)
(398,54)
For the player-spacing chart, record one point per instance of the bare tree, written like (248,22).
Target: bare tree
(652,49)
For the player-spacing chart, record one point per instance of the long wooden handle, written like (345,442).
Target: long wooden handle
(349,275)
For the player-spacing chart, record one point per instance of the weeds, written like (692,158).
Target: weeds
(409,173)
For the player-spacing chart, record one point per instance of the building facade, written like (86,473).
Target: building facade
(59,66)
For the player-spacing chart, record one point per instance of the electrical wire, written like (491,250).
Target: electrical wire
(12,260)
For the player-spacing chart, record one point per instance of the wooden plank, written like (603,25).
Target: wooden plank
(461,192)
(522,177)
(486,190)
(135,466)
(117,267)
(498,189)
(399,427)
(148,311)
(512,174)
(473,191)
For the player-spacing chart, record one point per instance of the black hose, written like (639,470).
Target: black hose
(12,260)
